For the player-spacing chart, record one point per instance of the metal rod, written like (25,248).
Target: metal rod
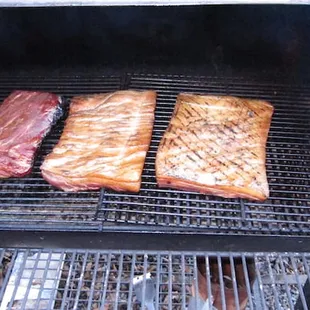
(259,286)
(106,282)
(68,284)
(221,282)
(93,281)
(119,280)
(289,296)
(247,281)
(132,274)
(234,281)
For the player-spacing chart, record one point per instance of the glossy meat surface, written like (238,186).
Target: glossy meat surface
(216,145)
(104,142)
(25,118)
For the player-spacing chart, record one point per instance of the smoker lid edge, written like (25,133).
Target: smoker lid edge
(49,3)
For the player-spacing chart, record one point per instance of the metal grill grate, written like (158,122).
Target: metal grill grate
(30,203)
(288,167)
(81,279)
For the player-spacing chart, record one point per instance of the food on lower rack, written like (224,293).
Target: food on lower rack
(104,142)
(216,145)
(25,118)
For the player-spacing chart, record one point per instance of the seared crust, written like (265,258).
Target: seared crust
(216,145)
(104,142)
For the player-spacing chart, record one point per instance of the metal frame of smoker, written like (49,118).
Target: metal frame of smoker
(33,215)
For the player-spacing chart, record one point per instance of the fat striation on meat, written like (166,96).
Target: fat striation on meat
(25,118)
(104,142)
(216,145)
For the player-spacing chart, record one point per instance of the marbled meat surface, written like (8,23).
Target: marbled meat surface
(25,118)
(104,142)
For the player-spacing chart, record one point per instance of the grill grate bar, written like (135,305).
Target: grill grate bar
(247,280)
(106,280)
(221,282)
(132,274)
(183,283)
(196,287)
(93,282)
(233,274)
(119,283)
(80,282)
(296,274)
(273,284)
(286,283)
(67,286)
(260,283)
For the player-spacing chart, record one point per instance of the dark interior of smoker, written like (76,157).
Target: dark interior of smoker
(249,51)
(165,39)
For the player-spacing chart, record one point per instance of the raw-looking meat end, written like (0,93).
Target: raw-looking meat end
(25,119)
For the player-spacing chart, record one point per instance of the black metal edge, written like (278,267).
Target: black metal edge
(122,227)
(265,75)
(99,225)
(152,242)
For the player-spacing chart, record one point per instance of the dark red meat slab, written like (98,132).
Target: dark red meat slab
(25,118)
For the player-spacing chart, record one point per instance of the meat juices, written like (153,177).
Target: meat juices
(25,118)
(216,145)
(104,142)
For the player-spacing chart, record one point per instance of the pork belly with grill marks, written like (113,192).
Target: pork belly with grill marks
(216,145)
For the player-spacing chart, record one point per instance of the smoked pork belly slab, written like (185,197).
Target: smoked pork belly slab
(25,119)
(216,145)
(104,142)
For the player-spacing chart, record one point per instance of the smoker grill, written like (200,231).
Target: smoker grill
(82,250)
(34,204)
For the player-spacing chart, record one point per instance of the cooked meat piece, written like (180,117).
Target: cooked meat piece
(25,118)
(216,145)
(104,142)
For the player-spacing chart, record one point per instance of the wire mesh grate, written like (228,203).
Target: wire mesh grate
(87,279)
(288,168)
(30,203)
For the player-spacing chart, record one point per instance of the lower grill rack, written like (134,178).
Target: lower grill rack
(87,279)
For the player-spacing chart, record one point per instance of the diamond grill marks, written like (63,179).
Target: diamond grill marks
(217,141)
